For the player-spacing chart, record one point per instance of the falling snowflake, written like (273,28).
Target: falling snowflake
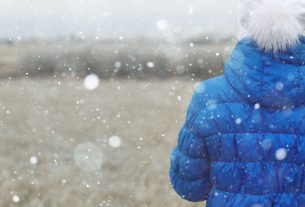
(161,24)
(281,154)
(279,86)
(266,144)
(238,121)
(290,77)
(16,199)
(117,64)
(114,141)
(33,160)
(88,157)
(257,106)
(211,104)
(150,64)
(91,82)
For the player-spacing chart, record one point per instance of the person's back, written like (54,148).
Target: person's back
(243,141)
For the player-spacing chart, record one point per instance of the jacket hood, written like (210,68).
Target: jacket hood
(272,80)
(275,25)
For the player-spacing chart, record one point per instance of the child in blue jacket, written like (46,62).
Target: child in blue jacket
(243,141)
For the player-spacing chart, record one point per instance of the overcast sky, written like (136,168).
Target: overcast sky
(115,18)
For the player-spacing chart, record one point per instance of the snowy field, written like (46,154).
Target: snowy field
(63,145)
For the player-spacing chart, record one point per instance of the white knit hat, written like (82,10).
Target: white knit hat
(275,25)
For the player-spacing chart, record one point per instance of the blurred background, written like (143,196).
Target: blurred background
(93,94)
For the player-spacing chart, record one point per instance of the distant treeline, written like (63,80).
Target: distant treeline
(133,59)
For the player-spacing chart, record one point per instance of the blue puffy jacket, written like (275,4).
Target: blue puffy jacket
(243,141)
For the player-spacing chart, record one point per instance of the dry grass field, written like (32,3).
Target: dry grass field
(57,151)
(130,59)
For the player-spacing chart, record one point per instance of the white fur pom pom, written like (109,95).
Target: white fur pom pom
(276,25)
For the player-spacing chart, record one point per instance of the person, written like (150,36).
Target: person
(243,141)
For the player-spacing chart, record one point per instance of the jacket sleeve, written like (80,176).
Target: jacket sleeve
(189,165)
